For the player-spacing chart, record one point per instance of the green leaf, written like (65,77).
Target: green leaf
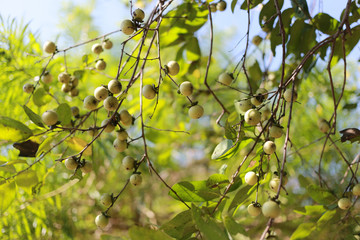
(326,217)
(195,191)
(27,179)
(312,210)
(302,38)
(207,225)
(233,4)
(7,196)
(320,195)
(267,11)
(140,233)
(244,192)
(225,150)
(303,230)
(181,226)
(13,130)
(233,227)
(300,8)
(275,37)
(77,175)
(253,4)
(33,116)
(79,74)
(41,97)
(255,74)
(325,23)
(351,41)
(64,113)
(217,180)
(192,48)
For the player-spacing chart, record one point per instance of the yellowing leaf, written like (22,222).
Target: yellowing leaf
(78,144)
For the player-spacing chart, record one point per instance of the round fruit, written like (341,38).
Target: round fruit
(260,96)
(93,131)
(256,40)
(269,147)
(221,6)
(225,78)
(173,68)
(265,113)
(274,184)
(125,117)
(148,91)
(107,44)
(75,111)
(111,103)
(128,163)
(243,105)
(90,102)
(271,209)
(344,203)
(109,126)
(64,77)
(138,15)
(213,7)
(122,135)
(65,87)
(49,47)
(101,93)
(74,92)
(127,27)
(252,117)
(114,86)
(106,199)
(74,81)
(254,210)
(97,48)
(324,126)
(275,131)
(288,95)
(196,112)
(47,78)
(87,167)
(50,117)
(135,179)
(120,146)
(100,65)
(186,88)
(251,178)
(101,221)
(71,163)
(28,87)
(356,190)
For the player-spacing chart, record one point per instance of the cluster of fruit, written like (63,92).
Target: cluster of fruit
(219,6)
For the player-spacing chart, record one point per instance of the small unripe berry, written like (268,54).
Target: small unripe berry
(324,126)
(64,77)
(106,199)
(28,87)
(65,87)
(135,179)
(111,103)
(128,163)
(90,102)
(125,117)
(275,131)
(50,117)
(97,48)
(75,111)
(87,167)
(107,44)
(148,91)
(243,105)
(101,93)
(101,221)
(269,147)
(252,117)
(356,190)
(274,184)
(196,112)
(260,96)
(71,163)
(254,210)
(122,135)
(138,15)
(100,65)
(120,146)
(271,209)
(213,7)
(173,68)
(344,203)
(251,178)
(288,95)
(47,78)
(109,126)
(221,6)
(127,27)
(225,78)
(74,92)
(265,113)
(49,47)
(74,81)
(114,86)
(186,88)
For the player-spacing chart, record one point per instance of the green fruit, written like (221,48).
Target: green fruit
(74,92)
(106,199)
(135,179)
(243,105)
(275,131)
(323,125)
(127,27)
(274,184)
(221,6)
(120,146)
(125,118)
(344,203)
(114,86)
(225,78)
(251,178)
(265,114)
(254,210)
(186,88)
(65,87)
(101,221)
(111,103)
(128,163)
(196,112)
(138,15)
(75,111)
(109,126)
(71,163)
(213,7)
(122,135)
(271,209)
(47,78)
(288,95)
(252,117)
(50,118)
(100,65)
(74,81)
(260,96)
(173,68)
(269,147)
(64,77)
(49,47)
(148,91)
(101,93)
(87,167)
(90,103)
(107,44)
(28,87)
(356,190)
(97,48)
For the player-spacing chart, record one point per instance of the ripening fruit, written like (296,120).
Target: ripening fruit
(138,15)
(128,163)
(148,91)
(135,179)
(65,87)
(275,131)
(269,147)
(225,78)
(49,47)
(344,203)
(221,6)
(256,40)
(114,86)
(64,77)
(101,221)
(254,210)
(356,190)
(173,68)
(75,111)
(90,102)
(260,96)
(97,48)
(323,125)
(107,44)
(243,105)
(100,65)
(111,103)
(274,184)
(120,146)
(251,178)
(74,92)
(252,117)
(101,93)
(109,126)
(28,87)
(47,78)
(186,88)
(288,93)
(71,163)
(74,81)
(122,135)
(87,167)
(196,112)
(106,199)
(213,7)
(270,209)
(49,117)
(125,117)
(127,27)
